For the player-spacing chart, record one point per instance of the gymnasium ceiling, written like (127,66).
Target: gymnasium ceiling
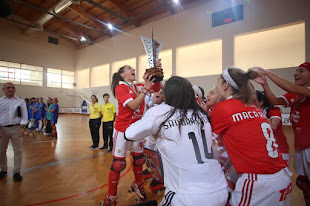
(90,18)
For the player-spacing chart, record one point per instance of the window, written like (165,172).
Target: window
(22,74)
(67,79)
(60,78)
(54,78)
(82,78)
(31,75)
(199,59)
(166,61)
(273,48)
(116,65)
(100,76)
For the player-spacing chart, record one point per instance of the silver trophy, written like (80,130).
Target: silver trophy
(152,49)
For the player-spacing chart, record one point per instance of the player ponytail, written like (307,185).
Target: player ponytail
(179,94)
(245,91)
(116,78)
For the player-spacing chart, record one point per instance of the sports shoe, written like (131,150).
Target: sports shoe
(110,150)
(110,200)
(3,174)
(104,147)
(139,191)
(17,177)
(93,147)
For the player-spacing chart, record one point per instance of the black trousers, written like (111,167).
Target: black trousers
(94,126)
(107,131)
(48,128)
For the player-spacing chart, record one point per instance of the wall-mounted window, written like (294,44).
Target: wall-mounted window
(22,74)
(199,59)
(100,75)
(60,78)
(166,61)
(279,47)
(82,78)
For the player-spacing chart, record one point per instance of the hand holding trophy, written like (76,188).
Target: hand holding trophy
(152,48)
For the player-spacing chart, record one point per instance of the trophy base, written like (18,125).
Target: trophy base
(157,74)
(158,78)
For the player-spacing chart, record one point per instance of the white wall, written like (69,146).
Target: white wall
(194,25)
(34,49)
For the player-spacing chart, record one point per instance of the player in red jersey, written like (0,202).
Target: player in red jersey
(131,106)
(211,99)
(275,118)
(248,138)
(298,98)
(220,153)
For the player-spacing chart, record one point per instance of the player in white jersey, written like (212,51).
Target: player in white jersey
(184,138)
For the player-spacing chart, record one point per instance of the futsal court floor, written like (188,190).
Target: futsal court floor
(66,172)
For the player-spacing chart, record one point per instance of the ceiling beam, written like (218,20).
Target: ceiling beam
(68,28)
(61,17)
(167,6)
(78,10)
(123,10)
(125,19)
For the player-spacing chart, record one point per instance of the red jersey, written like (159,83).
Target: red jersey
(247,137)
(127,116)
(275,112)
(300,113)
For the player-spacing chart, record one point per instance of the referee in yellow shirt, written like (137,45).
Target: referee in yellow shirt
(94,121)
(109,114)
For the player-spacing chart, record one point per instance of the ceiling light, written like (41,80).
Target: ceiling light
(110,26)
(83,39)
(176,1)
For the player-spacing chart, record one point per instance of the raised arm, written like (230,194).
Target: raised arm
(284,84)
(261,79)
(135,104)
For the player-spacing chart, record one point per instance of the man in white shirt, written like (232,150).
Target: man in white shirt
(13,118)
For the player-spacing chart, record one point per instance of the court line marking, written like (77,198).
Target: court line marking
(83,193)
(60,162)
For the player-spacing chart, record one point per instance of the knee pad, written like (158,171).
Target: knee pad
(138,159)
(118,165)
(303,183)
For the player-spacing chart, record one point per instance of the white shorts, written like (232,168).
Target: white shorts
(121,146)
(286,158)
(252,189)
(302,162)
(218,198)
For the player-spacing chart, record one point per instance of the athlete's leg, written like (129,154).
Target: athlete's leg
(119,163)
(138,160)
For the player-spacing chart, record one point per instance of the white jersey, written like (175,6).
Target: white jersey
(189,167)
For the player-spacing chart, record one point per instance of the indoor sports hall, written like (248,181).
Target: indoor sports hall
(66,52)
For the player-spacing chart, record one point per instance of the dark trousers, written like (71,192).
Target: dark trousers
(48,128)
(107,131)
(94,126)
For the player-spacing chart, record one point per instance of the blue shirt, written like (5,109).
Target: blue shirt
(54,115)
(40,112)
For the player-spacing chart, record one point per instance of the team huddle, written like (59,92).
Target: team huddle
(228,149)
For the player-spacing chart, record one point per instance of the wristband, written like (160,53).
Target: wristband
(143,93)
(146,89)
